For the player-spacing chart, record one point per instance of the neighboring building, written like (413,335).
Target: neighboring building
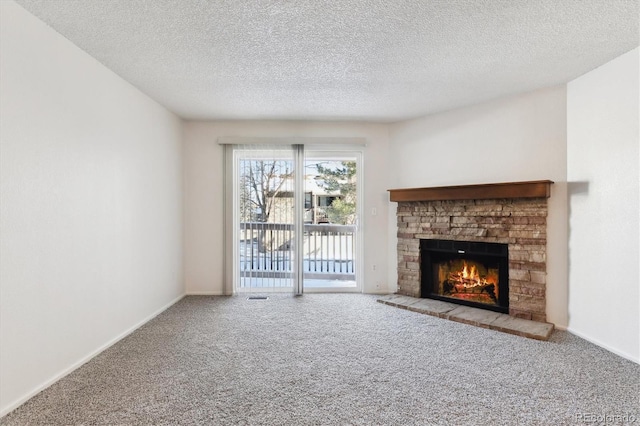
(316,202)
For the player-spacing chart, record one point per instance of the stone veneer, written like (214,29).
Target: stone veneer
(519,222)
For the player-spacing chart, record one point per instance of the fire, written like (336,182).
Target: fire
(469,280)
(468,276)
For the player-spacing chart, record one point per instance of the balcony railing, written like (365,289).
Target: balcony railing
(266,250)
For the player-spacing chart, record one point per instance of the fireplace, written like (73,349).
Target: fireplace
(466,272)
(509,217)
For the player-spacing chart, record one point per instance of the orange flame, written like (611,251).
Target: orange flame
(469,274)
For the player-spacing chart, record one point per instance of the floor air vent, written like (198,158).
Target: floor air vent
(257,298)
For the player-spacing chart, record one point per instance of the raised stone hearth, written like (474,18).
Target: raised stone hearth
(469,213)
(473,316)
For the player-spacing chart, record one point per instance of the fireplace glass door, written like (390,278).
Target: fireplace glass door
(467,273)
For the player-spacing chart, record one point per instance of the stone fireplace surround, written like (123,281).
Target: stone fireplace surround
(510,213)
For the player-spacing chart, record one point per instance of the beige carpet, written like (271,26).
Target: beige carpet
(333,359)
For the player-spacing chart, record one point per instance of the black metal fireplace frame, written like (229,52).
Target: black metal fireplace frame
(432,251)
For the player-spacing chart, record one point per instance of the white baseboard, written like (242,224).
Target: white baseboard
(604,346)
(15,404)
(205,293)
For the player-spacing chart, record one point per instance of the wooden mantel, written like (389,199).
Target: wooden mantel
(529,189)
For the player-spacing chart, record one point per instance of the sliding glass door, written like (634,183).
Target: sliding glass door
(295,219)
(331,189)
(265,199)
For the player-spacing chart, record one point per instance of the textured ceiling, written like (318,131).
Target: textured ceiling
(341,59)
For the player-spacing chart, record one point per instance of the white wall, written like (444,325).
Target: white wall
(604,184)
(507,140)
(204,192)
(90,211)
